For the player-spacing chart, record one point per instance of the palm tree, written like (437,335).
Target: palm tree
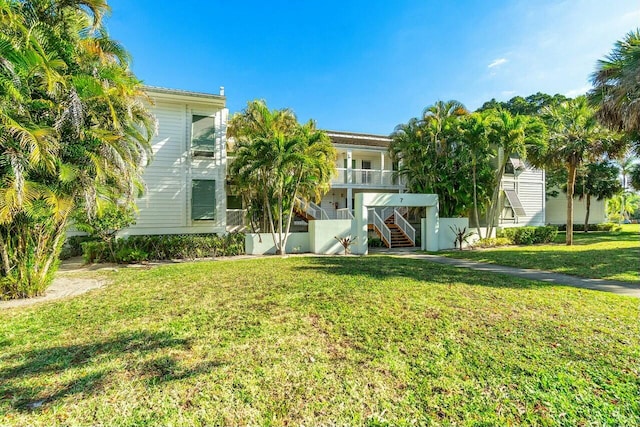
(474,135)
(432,159)
(616,89)
(74,131)
(575,138)
(277,160)
(523,136)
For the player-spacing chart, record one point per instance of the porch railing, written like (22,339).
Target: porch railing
(344,213)
(236,219)
(372,177)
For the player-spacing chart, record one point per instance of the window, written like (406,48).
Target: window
(203,135)
(203,200)
(366,175)
(234,202)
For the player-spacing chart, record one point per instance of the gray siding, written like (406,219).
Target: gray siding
(530,187)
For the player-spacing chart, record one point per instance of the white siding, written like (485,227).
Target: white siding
(165,207)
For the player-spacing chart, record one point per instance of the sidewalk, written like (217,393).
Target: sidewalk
(616,287)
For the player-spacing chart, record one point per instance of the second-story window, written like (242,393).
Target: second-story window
(203,136)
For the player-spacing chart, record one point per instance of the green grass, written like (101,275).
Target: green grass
(597,255)
(304,340)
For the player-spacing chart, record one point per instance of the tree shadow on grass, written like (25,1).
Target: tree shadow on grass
(379,267)
(25,384)
(592,237)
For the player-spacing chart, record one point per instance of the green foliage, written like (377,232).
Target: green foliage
(616,88)
(606,226)
(492,242)
(74,129)
(529,235)
(532,105)
(622,206)
(73,246)
(634,175)
(107,222)
(164,247)
(375,242)
(575,139)
(278,161)
(434,151)
(512,136)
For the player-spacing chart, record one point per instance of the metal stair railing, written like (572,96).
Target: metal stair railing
(378,223)
(404,225)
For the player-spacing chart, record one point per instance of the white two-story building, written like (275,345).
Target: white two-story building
(186,180)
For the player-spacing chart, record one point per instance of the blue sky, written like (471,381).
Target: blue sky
(366,66)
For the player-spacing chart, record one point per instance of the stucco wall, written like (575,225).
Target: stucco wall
(296,243)
(557,210)
(323,235)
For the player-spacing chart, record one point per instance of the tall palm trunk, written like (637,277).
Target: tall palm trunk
(475,200)
(586,218)
(494,201)
(571,182)
(280,250)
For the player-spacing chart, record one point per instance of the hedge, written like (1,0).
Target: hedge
(605,226)
(529,235)
(164,247)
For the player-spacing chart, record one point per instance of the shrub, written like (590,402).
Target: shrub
(375,242)
(608,226)
(105,225)
(491,242)
(605,226)
(529,235)
(73,246)
(545,234)
(164,247)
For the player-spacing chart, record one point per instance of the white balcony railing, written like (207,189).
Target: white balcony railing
(372,177)
(344,213)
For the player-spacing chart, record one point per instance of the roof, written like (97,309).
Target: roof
(180,92)
(363,139)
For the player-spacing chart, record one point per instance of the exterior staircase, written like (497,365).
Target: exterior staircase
(398,238)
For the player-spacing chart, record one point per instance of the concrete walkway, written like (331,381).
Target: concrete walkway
(616,287)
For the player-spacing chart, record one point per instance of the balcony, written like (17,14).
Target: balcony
(366,178)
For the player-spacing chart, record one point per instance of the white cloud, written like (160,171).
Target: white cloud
(508,92)
(577,92)
(497,62)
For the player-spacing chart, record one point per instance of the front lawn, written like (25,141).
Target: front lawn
(598,255)
(304,340)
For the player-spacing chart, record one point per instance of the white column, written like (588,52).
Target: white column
(361,246)
(349,169)
(382,176)
(350,198)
